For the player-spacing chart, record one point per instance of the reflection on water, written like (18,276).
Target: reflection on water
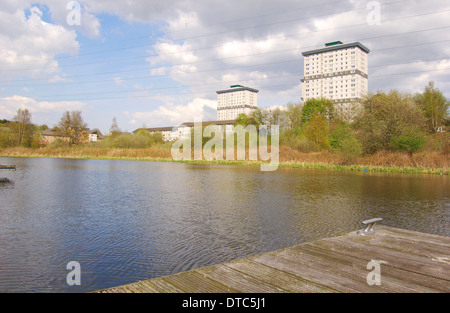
(125,221)
(5,182)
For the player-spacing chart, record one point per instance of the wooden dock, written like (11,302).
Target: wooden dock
(7,167)
(408,262)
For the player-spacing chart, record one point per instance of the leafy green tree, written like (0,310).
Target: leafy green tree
(434,105)
(243,119)
(316,130)
(343,141)
(386,119)
(5,137)
(409,140)
(322,106)
(256,117)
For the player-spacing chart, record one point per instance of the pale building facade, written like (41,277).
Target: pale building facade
(184,130)
(236,100)
(338,72)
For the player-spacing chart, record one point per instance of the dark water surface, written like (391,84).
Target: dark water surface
(126,221)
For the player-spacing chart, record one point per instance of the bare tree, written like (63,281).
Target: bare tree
(114,130)
(22,125)
(73,126)
(294,115)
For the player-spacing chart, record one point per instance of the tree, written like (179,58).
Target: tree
(243,119)
(274,117)
(22,126)
(409,140)
(254,118)
(114,130)
(5,137)
(316,130)
(322,106)
(386,120)
(434,105)
(257,117)
(294,115)
(344,142)
(73,126)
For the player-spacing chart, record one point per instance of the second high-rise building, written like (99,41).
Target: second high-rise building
(236,100)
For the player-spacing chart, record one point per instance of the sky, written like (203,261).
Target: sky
(159,63)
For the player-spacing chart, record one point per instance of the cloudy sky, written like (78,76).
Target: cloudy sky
(160,63)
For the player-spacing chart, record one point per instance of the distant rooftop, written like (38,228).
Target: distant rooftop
(187,124)
(328,44)
(336,45)
(234,88)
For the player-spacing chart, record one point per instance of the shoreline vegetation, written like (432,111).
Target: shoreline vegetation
(383,132)
(392,162)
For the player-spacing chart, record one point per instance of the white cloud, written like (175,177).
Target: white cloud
(204,47)
(171,115)
(118,81)
(89,23)
(182,22)
(41,110)
(28,45)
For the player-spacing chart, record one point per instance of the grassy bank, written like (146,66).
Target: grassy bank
(396,162)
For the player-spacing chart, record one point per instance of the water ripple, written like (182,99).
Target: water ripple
(128,221)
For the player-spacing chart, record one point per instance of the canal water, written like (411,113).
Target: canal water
(125,221)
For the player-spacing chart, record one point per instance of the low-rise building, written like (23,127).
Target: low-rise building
(173,133)
(52,134)
(95,135)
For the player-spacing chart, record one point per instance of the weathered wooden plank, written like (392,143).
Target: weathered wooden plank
(415,236)
(162,286)
(277,278)
(441,270)
(347,272)
(305,272)
(237,280)
(404,245)
(396,280)
(194,282)
(119,289)
(133,288)
(7,167)
(394,258)
(144,287)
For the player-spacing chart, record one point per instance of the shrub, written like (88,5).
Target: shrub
(316,130)
(5,138)
(350,149)
(408,140)
(36,140)
(343,141)
(390,121)
(59,143)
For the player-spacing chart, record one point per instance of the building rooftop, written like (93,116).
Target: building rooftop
(187,124)
(234,88)
(52,132)
(95,131)
(337,45)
